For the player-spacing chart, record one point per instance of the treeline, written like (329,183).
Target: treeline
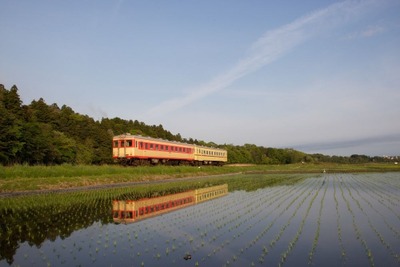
(40,133)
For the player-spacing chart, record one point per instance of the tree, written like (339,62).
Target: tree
(38,147)
(11,121)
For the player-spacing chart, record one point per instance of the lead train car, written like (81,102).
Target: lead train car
(138,150)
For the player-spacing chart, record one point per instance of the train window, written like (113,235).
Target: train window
(115,143)
(166,148)
(161,147)
(156,147)
(151,146)
(141,145)
(146,145)
(128,143)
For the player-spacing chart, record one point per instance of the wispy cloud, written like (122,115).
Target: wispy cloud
(271,46)
(370,31)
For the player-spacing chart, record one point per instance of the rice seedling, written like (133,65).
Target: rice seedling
(357,230)
(338,225)
(317,232)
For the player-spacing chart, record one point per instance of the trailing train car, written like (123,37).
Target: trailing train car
(139,150)
(210,156)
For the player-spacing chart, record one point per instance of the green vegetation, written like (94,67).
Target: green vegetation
(25,177)
(42,134)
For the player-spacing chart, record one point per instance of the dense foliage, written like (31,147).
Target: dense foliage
(40,133)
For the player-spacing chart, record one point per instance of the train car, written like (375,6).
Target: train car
(139,150)
(210,156)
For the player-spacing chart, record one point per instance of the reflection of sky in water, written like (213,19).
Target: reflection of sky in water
(248,227)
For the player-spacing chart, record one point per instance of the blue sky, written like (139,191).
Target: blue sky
(318,76)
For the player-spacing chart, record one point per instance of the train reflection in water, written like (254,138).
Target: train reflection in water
(128,211)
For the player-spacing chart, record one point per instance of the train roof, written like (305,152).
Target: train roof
(128,135)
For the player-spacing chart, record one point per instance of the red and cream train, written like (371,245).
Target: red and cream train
(138,150)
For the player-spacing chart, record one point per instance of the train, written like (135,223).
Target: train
(138,150)
(129,211)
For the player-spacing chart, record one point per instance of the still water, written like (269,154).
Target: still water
(329,220)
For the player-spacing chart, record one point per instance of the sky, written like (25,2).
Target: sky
(318,76)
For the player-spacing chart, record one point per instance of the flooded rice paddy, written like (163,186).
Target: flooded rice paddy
(325,220)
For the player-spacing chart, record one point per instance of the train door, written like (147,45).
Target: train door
(121,148)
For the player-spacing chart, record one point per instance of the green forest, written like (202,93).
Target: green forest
(46,134)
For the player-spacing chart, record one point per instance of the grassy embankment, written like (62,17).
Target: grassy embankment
(26,178)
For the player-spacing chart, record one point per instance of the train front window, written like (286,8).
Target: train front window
(115,144)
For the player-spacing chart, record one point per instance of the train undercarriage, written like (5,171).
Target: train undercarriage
(167,162)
